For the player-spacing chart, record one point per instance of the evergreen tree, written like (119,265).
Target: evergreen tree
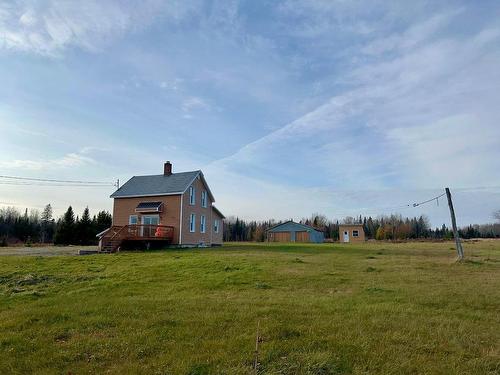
(103,221)
(85,232)
(65,232)
(47,224)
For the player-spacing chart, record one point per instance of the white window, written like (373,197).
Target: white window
(202,224)
(355,233)
(216,226)
(204,198)
(132,220)
(192,223)
(191,196)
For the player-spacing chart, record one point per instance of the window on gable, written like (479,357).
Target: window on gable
(204,198)
(191,196)
(202,224)
(192,223)
(355,233)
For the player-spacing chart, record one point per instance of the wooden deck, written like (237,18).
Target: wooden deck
(114,237)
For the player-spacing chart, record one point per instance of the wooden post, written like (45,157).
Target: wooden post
(256,353)
(460,250)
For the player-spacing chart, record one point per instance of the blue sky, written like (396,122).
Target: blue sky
(289,107)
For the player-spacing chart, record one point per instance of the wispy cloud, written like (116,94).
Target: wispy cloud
(418,113)
(193,104)
(298,99)
(411,37)
(48,27)
(67,161)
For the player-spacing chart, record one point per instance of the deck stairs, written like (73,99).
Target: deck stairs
(113,238)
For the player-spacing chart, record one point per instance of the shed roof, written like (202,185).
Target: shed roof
(292,223)
(154,185)
(148,206)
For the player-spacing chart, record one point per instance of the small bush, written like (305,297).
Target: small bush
(199,369)
(261,285)
(287,334)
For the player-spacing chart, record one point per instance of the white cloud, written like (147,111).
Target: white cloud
(411,37)
(172,84)
(194,103)
(423,116)
(48,27)
(67,161)
(456,150)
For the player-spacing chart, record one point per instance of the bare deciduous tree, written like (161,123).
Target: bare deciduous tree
(496,215)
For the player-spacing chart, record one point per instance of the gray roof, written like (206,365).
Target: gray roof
(218,212)
(140,186)
(289,225)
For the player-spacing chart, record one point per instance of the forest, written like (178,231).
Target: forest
(392,227)
(33,226)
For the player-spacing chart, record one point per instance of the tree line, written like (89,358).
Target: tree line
(34,226)
(390,227)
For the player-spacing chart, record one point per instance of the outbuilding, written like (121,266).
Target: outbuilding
(351,233)
(291,231)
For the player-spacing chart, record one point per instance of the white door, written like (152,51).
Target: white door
(149,220)
(346,236)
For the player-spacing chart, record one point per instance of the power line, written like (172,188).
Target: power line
(429,200)
(394,208)
(54,180)
(52,184)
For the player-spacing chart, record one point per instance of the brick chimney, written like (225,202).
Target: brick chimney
(167,168)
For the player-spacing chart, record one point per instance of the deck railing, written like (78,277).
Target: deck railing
(145,231)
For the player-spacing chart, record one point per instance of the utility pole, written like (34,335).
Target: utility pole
(460,250)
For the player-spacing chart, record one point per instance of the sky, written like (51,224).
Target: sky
(289,107)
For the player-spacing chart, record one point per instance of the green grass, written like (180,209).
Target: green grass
(322,309)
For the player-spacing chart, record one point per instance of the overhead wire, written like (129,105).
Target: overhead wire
(57,181)
(53,184)
(31,181)
(393,208)
(429,200)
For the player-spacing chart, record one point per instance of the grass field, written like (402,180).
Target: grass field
(323,309)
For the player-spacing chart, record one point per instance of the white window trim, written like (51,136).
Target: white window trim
(192,223)
(203,221)
(216,226)
(355,233)
(136,220)
(192,196)
(204,198)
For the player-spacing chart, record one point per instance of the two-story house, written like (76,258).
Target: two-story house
(175,208)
